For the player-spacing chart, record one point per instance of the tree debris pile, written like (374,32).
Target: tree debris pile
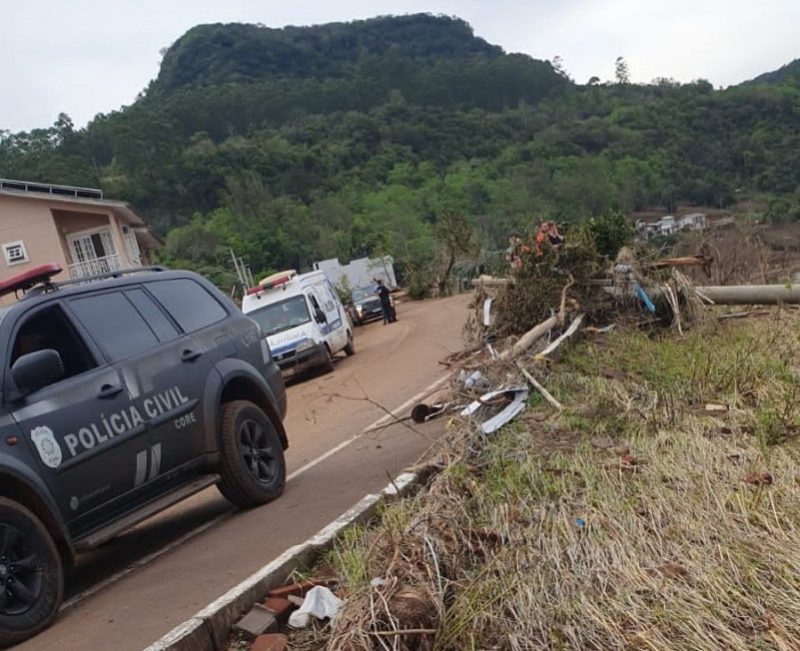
(576,278)
(541,279)
(656,508)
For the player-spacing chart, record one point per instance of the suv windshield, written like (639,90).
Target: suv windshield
(363,293)
(285,314)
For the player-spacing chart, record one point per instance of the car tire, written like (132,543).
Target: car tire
(31,574)
(350,348)
(253,468)
(327,363)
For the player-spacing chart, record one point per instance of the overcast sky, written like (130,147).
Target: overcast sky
(85,57)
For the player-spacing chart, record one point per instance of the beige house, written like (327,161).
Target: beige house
(74,227)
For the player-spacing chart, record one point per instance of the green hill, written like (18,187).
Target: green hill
(356,138)
(218,54)
(790,73)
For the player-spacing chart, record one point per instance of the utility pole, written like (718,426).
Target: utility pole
(243,273)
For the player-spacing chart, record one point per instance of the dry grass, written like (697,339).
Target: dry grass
(746,253)
(636,519)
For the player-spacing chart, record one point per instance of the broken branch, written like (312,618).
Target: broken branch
(544,392)
(404,631)
(562,311)
(573,327)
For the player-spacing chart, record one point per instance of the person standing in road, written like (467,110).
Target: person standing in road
(386,306)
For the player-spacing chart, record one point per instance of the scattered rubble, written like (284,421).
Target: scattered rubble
(259,620)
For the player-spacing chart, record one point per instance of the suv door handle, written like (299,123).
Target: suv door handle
(109,390)
(190,355)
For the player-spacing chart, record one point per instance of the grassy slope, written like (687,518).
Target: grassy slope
(635,520)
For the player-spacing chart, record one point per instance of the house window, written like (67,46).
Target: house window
(92,245)
(15,253)
(93,253)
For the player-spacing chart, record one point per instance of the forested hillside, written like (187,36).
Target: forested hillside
(392,134)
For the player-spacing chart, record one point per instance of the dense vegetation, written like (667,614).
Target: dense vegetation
(340,140)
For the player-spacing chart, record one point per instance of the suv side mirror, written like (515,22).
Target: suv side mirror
(36,370)
(319,316)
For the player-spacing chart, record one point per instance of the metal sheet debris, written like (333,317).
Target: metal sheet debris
(507,414)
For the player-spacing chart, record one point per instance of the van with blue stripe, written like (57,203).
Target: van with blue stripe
(303,318)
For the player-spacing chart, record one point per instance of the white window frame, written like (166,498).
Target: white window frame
(13,245)
(101,230)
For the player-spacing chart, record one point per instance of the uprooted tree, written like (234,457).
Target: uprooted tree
(455,238)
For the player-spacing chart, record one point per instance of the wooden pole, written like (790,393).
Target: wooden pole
(531,337)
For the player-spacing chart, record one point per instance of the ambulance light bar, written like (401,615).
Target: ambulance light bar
(273,281)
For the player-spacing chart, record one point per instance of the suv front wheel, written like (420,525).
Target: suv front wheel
(253,468)
(31,574)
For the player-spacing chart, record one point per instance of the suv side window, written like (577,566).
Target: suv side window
(189,303)
(50,328)
(164,328)
(114,323)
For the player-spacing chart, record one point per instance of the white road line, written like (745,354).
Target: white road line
(78,598)
(381,421)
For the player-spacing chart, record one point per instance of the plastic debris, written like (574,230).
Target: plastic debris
(487,312)
(319,602)
(475,380)
(644,298)
(507,414)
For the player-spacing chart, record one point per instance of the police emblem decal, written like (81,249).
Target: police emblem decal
(47,445)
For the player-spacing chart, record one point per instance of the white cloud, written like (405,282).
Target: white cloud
(90,56)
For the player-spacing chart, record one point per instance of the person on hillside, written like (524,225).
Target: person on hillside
(386,304)
(547,233)
(516,247)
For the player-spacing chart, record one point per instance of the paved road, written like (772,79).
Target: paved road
(127,594)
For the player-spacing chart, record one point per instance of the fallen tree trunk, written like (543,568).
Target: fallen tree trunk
(688,261)
(749,294)
(531,337)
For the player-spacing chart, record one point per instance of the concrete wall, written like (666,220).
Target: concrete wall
(359,272)
(33,224)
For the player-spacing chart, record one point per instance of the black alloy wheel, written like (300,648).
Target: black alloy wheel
(19,576)
(252,466)
(257,451)
(31,574)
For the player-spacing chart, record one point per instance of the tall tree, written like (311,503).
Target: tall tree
(621,71)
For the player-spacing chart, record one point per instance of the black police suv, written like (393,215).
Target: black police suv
(122,395)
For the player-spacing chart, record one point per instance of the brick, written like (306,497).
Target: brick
(279,607)
(272,642)
(296,589)
(259,620)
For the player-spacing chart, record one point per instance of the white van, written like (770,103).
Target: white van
(303,318)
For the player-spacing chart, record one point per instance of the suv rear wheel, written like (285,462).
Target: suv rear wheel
(253,468)
(31,574)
